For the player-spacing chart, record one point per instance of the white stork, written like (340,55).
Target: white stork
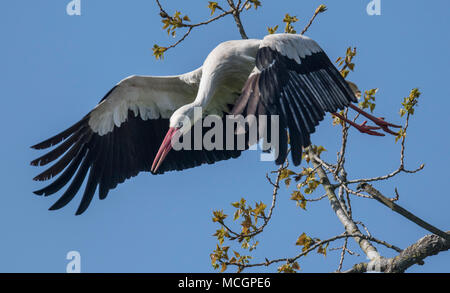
(283,74)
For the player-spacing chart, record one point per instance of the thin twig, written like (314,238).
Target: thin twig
(237,18)
(310,21)
(291,260)
(400,169)
(313,247)
(341,260)
(341,182)
(190,27)
(365,228)
(341,157)
(266,219)
(317,199)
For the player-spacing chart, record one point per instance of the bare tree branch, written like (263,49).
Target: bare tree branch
(313,247)
(414,254)
(398,209)
(342,215)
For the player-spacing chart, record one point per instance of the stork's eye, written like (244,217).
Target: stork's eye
(179,125)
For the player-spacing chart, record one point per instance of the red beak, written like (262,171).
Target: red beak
(164,149)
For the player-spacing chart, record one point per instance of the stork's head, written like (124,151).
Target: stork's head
(182,117)
(180,123)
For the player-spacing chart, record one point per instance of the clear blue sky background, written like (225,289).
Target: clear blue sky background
(55,68)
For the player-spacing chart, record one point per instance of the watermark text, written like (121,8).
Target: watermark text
(74,8)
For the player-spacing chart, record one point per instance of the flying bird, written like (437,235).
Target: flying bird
(131,128)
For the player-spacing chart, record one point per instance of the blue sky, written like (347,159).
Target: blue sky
(56,67)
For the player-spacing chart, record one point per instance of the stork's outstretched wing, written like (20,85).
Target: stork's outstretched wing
(120,137)
(296,80)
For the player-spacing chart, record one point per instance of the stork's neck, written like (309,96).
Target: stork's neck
(227,66)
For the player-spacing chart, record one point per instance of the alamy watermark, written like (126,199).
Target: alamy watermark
(74,8)
(374,7)
(235,132)
(74,264)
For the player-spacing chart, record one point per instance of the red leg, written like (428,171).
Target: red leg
(361,127)
(378,121)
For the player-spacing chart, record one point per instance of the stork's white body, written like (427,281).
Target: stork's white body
(225,71)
